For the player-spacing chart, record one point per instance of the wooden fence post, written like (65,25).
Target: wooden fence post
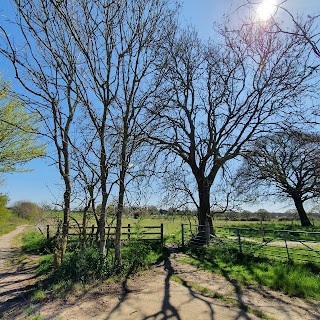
(239,240)
(287,249)
(162,233)
(182,235)
(48,232)
(129,230)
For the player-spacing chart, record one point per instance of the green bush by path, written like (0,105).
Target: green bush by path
(301,280)
(82,267)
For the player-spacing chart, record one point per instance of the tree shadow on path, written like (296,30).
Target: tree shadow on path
(168,311)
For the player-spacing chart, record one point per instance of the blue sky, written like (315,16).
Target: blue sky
(42,184)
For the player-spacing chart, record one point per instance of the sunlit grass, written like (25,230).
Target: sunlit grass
(9,221)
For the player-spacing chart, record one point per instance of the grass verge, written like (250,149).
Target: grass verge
(9,221)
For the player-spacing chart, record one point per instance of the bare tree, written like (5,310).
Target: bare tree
(145,24)
(216,98)
(302,26)
(45,60)
(284,164)
(99,56)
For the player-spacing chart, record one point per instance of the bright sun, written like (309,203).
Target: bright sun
(266,9)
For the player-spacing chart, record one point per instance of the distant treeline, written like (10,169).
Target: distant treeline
(233,215)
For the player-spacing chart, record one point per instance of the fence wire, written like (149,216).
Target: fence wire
(280,244)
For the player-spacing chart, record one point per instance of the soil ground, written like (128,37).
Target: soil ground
(152,294)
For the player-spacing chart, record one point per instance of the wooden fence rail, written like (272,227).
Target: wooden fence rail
(149,233)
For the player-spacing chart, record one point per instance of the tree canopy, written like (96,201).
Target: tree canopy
(18,140)
(286,164)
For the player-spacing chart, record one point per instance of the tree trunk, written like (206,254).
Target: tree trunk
(121,198)
(204,218)
(305,222)
(119,220)
(103,183)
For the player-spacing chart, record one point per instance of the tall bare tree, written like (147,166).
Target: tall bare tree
(101,55)
(218,97)
(45,60)
(145,25)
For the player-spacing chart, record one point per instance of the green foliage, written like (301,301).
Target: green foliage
(46,265)
(37,317)
(28,210)
(4,199)
(8,220)
(137,254)
(291,278)
(38,295)
(85,266)
(18,143)
(81,267)
(34,241)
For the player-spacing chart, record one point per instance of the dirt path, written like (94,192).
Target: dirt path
(156,295)
(16,274)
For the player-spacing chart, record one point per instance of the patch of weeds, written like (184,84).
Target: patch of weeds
(37,317)
(46,265)
(38,295)
(30,310)
(139,254)
(35,242)
(83,267)
(62,288)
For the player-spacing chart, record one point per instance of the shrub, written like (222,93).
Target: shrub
(84,266)
(4,199)
(28,210)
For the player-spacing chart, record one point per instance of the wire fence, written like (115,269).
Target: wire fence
(280,244)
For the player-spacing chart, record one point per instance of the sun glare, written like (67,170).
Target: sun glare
(266,9)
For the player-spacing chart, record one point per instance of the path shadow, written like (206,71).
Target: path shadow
(16,285)
(168,311)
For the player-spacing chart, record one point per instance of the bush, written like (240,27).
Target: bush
(28,210)
(84,266)
(4,199)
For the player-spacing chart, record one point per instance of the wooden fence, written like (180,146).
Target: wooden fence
(148,233)
(280,244)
